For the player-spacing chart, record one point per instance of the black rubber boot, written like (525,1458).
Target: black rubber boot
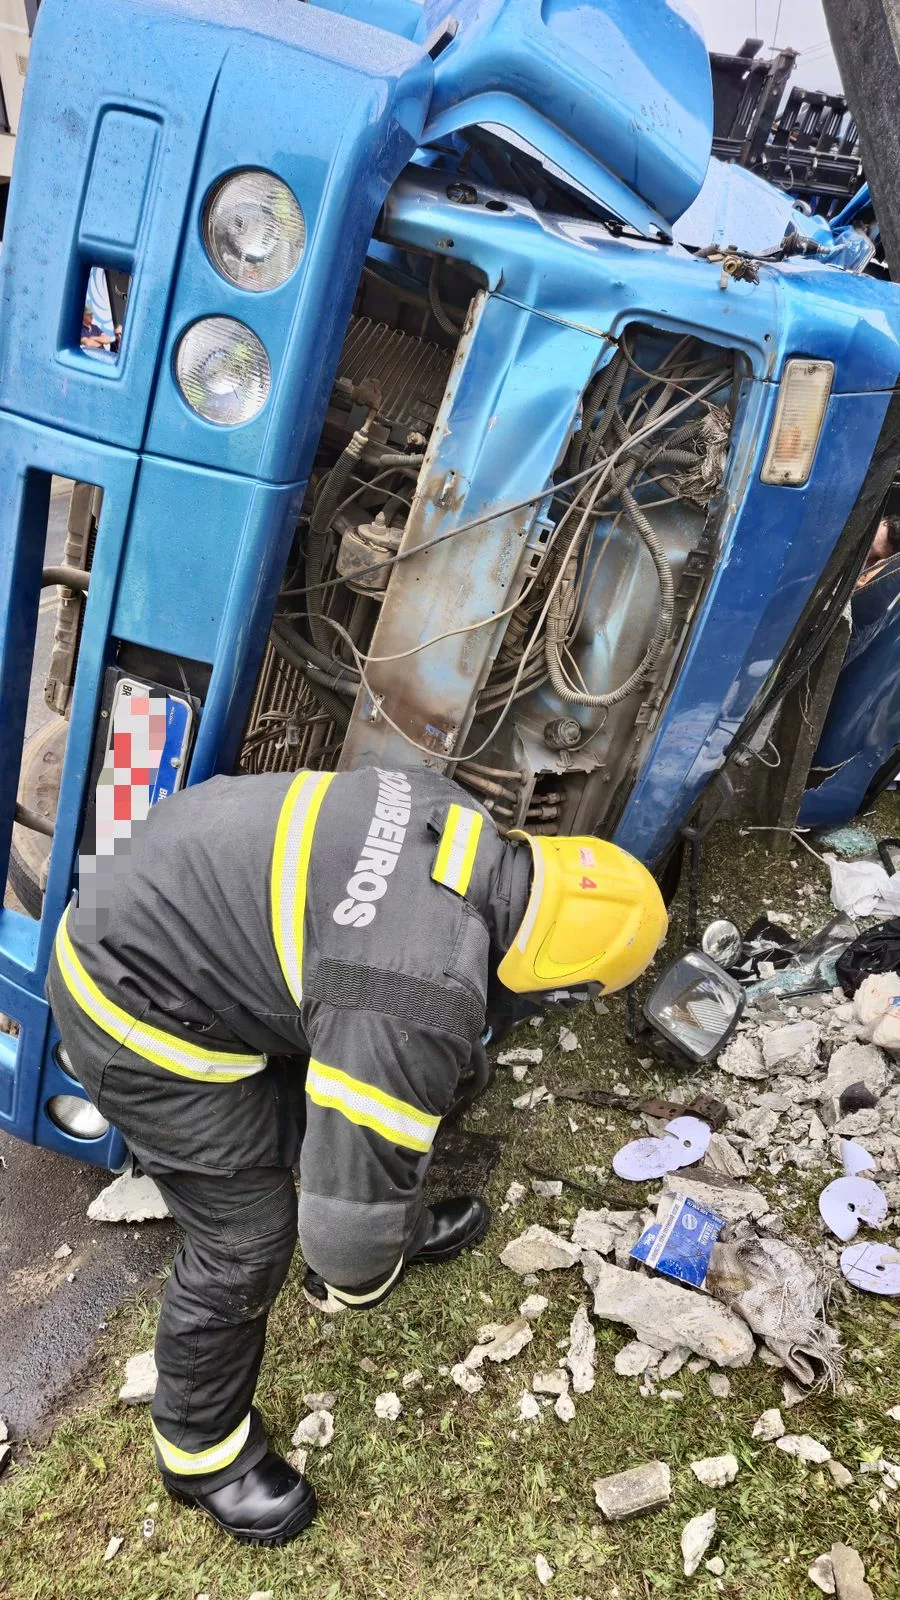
(269,1505)
(458,1225)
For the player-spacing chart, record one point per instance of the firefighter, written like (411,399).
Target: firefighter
(295,971)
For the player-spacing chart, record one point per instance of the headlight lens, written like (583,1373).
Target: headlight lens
(223,371)
(254,230)
(76,1116)
(695,1004)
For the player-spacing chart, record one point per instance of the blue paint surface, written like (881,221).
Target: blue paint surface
(120,141)
(861,736)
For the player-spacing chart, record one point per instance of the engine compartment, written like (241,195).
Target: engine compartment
(616,560)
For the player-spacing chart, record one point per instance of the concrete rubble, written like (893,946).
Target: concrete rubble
(507,1343)
(628,1494)
(742,1058)
(769,1426)
(140,1379)
(388,1406)
(714,1472)
(555,1382)
(793,1048)
(129,1199)
(114,1546)
(821,1573)
(696,1538)
(539,1250)
(804,1447)
(664,1314)
(718,1385)
(565,1408)
(543,1570)
(547,1188)
(634,1358)
(736,1202)
(529,1408)
(317,1429)
(579,1357)
(467,1380)
(533,1306)
(531,1098)
(842,1476)
(849,1574)
(522,1057)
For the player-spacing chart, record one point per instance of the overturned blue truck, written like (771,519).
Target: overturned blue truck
(451,404)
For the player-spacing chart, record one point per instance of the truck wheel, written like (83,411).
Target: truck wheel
(39,780)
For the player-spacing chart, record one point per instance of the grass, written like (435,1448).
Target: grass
(458,1497)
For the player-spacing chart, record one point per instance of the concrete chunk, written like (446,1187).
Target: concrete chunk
(794,1048)
(736,1202)
(539,1250)
(665,1315)
(741,1058)
(316,1429)
(555,1382)
(509,1341)
(821,1573)
(769,1426)
(849,1574)
(129,1199)
(696,1538)
(627,1494)
(805,1447)
(856,1063)
(140,1379)
(714,1472)
(580,1355)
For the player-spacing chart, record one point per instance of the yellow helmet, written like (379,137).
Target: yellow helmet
(594,915)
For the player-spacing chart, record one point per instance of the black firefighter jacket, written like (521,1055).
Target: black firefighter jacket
(350,920)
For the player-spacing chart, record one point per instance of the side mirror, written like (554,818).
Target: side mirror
(696,1006)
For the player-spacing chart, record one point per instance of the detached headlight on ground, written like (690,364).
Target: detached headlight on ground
(254,230)
(77,1116)
(223,371)
(799,414)
(696,1005)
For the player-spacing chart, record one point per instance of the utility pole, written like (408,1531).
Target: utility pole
(865,35)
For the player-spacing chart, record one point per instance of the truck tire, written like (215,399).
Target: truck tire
(39,780)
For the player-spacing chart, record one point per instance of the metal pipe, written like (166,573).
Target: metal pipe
(30,819)
(70,577)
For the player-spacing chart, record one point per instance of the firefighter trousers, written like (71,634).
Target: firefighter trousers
(239,1237)
(222,1156)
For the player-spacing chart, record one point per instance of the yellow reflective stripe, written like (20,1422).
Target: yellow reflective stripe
(152,1044)
(349,1299)
(455,859)
(290,865)
(395,1120)
(187,1462)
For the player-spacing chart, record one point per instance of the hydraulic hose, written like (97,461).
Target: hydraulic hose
(320,521)
(560,613)
(324,685)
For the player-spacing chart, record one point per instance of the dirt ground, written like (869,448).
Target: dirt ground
(459,1496)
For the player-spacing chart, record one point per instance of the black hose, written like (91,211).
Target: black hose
(316,657)
(322,686)
(320,522)
(434,298)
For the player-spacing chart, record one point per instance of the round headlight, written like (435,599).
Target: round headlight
(223,370)
(76,1116)
(254,230)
